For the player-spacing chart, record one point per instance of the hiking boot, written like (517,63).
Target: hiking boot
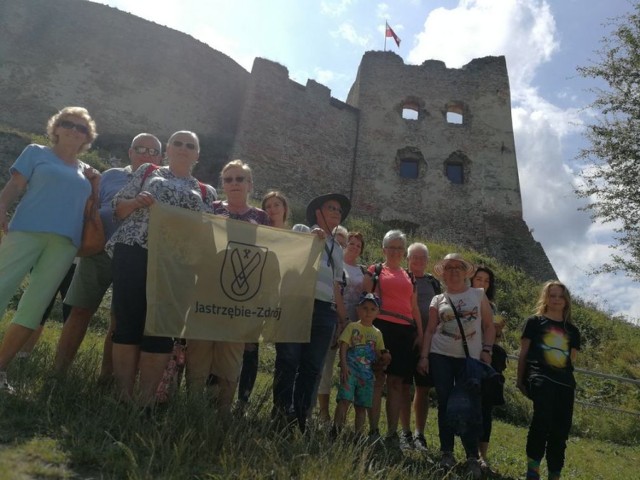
(447,460)
(4,384)
(472,469)
(391,441)
(405,441)
(420,443)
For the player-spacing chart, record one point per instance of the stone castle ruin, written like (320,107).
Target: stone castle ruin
(422,144)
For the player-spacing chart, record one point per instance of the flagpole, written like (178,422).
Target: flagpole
(386,25)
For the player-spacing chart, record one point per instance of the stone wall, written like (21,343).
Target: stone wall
(134,75)
(131,74)
(297,139)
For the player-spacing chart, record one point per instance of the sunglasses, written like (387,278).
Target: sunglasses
(142,150)
(179,143)
(231,179)
(67,125)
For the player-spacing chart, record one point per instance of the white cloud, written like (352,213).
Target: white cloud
(524,32)
(336,8)
(347,32)
(382,11)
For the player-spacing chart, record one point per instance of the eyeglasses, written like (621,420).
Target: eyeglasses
(394,249)
(332,208)
(231,179)
(67,125)
(453,269)
(142,150)
(179,143)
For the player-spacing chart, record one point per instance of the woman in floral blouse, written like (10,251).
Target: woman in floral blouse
(170,185)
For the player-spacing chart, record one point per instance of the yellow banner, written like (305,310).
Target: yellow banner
(212,278)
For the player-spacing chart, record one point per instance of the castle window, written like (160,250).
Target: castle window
(409,168)
(455,173)
(411,109)
(409,113)
(409,161)
(455,113)
(456,168)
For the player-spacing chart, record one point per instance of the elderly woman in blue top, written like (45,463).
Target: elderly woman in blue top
(46,229)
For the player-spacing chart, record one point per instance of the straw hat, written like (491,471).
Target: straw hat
(438,269)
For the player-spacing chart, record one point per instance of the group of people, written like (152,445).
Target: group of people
(392,328)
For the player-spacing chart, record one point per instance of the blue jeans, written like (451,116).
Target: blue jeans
(445,372)
(299,365)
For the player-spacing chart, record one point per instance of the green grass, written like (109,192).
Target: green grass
(72,428)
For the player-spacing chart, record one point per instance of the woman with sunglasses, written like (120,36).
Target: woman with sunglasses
(174,185)
(46,229)
(213,363)
(399,322)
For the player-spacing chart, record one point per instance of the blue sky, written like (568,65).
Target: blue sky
(543,42)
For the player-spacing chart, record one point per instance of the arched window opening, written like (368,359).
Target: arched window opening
(455,173)
(409,161)
(455,113)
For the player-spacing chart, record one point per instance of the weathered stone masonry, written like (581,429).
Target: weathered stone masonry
(457,180)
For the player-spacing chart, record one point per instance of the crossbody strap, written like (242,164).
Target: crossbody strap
(464,338)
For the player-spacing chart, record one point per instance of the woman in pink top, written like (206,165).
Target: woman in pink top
(397,322)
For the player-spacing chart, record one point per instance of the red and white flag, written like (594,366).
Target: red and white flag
(390,33)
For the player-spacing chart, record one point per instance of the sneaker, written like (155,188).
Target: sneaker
(447,460)
(391,442)
(405,441)
(472,468)
(420,443)
(4,384)
(484,465)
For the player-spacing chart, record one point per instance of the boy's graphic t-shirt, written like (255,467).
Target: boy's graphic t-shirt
(364,345)
(549,354)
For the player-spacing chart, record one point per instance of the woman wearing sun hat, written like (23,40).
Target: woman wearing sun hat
(443,354)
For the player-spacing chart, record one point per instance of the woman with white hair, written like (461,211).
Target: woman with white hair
(399,322)
(460,325)
(46,229)
(171,185)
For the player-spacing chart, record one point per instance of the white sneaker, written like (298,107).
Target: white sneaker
(4,384)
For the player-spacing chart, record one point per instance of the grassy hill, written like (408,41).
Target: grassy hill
(72,428)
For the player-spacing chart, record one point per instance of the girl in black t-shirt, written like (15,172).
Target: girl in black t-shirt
(548,348)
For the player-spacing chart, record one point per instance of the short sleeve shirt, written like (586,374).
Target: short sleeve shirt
(166,188)
(365,343)
(549,353)
(55,197)
(447,339)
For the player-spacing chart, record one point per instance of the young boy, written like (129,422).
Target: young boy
(361,346)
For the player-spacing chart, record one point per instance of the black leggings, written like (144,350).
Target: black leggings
(130,300)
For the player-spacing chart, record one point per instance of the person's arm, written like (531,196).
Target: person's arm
(573,355)
(14,188)
(488,331)
(423,363)
(525,343)
(344,367)
(415,312)
(367,282)
(125,207)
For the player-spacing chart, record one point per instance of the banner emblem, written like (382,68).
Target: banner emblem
(241,273)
